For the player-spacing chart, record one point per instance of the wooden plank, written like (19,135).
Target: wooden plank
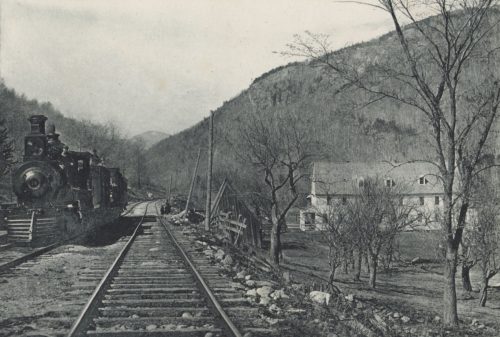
(236,223)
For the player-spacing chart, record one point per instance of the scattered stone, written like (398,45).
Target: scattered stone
(379,319)
(241,275)
(279,294)
(220,254)
(264,300)
(187,315)
(273,308)
(228,260)
(251,292)
(264,291)
(151,327)
(350,298)
(208,253)
(405,319)
(135,316)
(359,305)
(250,283)
(209,334)
(248,277)
(474,321)
(396,315)
(437,319)
(320,297)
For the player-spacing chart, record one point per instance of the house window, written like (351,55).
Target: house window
(328,199)
(390,183)
(421,199)
(361,183)
(423,180)
(344,200)
(436,200)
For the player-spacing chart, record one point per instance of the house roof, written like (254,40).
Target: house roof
(344,177)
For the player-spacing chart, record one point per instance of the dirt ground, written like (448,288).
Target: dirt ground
(405,288)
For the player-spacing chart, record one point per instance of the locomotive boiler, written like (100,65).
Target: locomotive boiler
(61,193)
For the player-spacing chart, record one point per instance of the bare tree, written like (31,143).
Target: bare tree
(278,144)
(339,235)
(443,68)
(483,237)
(378,215)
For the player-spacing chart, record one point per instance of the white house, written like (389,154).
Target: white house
(337,182)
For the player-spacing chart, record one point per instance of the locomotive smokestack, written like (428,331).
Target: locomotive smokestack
(37,123)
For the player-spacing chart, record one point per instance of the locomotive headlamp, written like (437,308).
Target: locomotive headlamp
(34,180)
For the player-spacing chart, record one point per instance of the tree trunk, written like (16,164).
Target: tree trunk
(484,292)
(275,248)
(357,272)
(331,277)
(373,269)
(450,315)
(466,277)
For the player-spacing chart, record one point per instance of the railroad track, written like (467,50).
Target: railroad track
(12,256)
(154,288)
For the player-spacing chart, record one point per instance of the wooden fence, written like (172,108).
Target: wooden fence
(234,219)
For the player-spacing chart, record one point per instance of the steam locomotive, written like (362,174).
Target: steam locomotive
(60,193)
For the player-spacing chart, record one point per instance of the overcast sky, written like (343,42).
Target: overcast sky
(159,65)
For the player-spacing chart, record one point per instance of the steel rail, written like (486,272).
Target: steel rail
(86,315)
(229,326)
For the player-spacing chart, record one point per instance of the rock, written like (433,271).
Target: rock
(248,277)
(350,298)
(219,255)
(359,305)
(380,320)
(287,277)
(209,334)
(135,316)
(474,321)
(405,319)
(273,308)
(187,315)
(151,327)
(251,292)
(241,275)
(208,253)
(437,319)
(279,294)
(264,300)
(264,291)
(228,260)
(320,297)
(250,283)
(396,315)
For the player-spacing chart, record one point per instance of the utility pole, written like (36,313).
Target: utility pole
(169,190)
(192,183)
(209,171)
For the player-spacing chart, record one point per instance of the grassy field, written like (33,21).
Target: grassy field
(414,290)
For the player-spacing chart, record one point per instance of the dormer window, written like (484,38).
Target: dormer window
(390,183)
(423,180)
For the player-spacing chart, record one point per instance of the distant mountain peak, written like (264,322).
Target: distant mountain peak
(150,138)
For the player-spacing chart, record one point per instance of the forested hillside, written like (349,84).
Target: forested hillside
(349,123)
(84,135)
